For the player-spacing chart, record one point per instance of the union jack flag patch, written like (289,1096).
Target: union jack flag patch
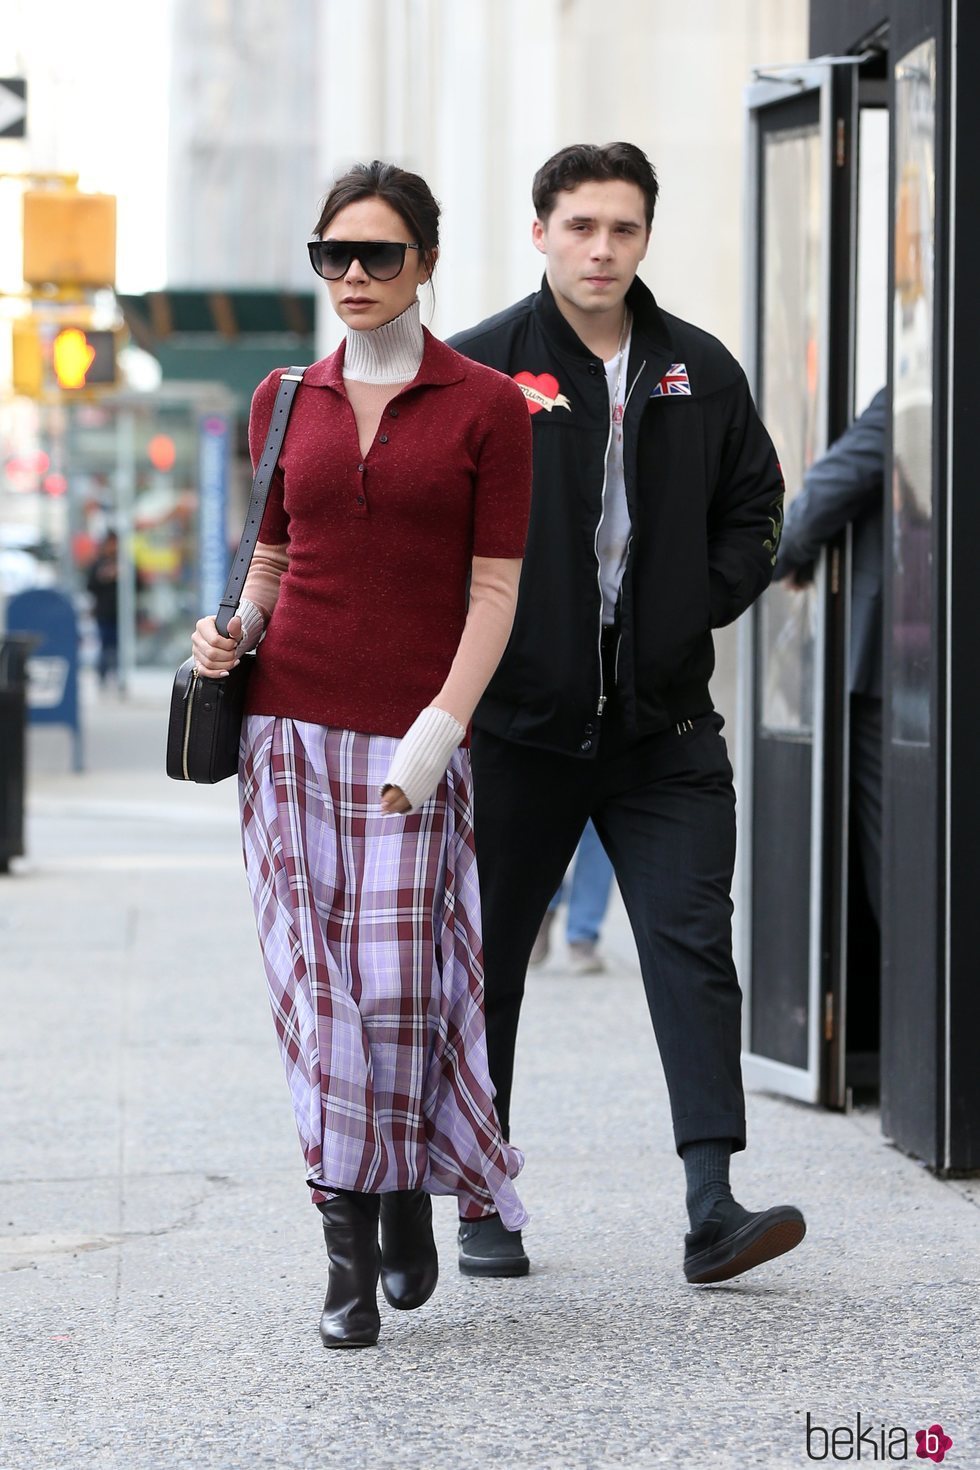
(674,383)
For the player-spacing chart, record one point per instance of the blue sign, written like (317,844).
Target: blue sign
(213,458)
(52,668)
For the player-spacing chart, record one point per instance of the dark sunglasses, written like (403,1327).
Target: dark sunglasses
(382,260)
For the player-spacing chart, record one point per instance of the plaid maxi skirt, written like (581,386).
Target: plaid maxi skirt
(370,934)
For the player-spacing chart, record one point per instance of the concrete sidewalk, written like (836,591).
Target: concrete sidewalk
(163,1269)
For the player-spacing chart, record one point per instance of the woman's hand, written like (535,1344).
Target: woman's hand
(420,760)
(215,656)
(394,802)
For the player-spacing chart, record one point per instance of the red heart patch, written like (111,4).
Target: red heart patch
(543,383)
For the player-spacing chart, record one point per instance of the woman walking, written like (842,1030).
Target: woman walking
(383,589)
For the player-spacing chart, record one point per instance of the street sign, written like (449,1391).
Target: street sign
(13,107)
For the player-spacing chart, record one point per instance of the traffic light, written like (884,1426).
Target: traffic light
(84,358)
(55,359)
(69,238)
(28,358)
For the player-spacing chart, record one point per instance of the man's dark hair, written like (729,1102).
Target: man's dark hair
(583,162)
(407,193)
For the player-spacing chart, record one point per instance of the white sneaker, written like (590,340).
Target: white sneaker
(584,958)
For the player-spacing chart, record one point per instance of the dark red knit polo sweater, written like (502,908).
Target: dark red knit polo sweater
(373,603)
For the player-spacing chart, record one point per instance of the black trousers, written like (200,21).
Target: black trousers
(664,808)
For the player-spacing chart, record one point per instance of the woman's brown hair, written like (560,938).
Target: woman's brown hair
(408,195)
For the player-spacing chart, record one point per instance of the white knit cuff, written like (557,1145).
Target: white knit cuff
(423,753)
(253,626)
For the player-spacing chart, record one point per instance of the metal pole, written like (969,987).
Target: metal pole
(125,517)
(75,518)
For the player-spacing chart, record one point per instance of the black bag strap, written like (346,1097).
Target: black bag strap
(265,469)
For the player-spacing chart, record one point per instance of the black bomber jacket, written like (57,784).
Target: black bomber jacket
(705,497)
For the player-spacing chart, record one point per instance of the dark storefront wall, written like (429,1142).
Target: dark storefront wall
(842,27)
(963,667)
(931,918)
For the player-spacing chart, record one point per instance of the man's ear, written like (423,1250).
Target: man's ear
(539,237)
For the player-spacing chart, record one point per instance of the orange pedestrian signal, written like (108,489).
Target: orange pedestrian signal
(63,357)
(72,355)
(83,358)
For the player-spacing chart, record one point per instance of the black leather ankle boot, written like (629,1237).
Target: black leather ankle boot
(409,1263)
(350,1312)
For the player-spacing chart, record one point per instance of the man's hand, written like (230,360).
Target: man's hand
(793,578)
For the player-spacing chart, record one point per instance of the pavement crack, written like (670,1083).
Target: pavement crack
(21,1252)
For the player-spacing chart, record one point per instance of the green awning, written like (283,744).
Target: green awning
(229,337)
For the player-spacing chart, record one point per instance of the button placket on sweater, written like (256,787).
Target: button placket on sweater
(360,506)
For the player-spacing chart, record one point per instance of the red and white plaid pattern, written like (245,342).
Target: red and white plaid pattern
(370,934)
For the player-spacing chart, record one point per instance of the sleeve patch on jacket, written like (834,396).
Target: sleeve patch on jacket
(776,523)
(674,384)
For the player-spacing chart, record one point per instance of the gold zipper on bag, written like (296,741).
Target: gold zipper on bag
(187,722)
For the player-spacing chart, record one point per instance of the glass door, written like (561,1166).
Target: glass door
(912,934)
(789,643)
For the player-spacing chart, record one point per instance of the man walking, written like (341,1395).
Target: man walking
(656,510)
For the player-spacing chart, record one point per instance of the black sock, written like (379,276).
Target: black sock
(706,1166)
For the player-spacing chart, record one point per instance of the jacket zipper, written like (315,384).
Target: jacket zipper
(598,558)
(629,540)
(188,713)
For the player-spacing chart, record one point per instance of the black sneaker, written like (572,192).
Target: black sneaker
(732,1240)
(487,1249)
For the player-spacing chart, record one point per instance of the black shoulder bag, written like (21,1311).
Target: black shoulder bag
(206,714)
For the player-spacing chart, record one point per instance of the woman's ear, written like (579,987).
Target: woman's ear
(428,265)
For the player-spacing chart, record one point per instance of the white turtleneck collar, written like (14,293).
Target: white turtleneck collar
(388,354)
